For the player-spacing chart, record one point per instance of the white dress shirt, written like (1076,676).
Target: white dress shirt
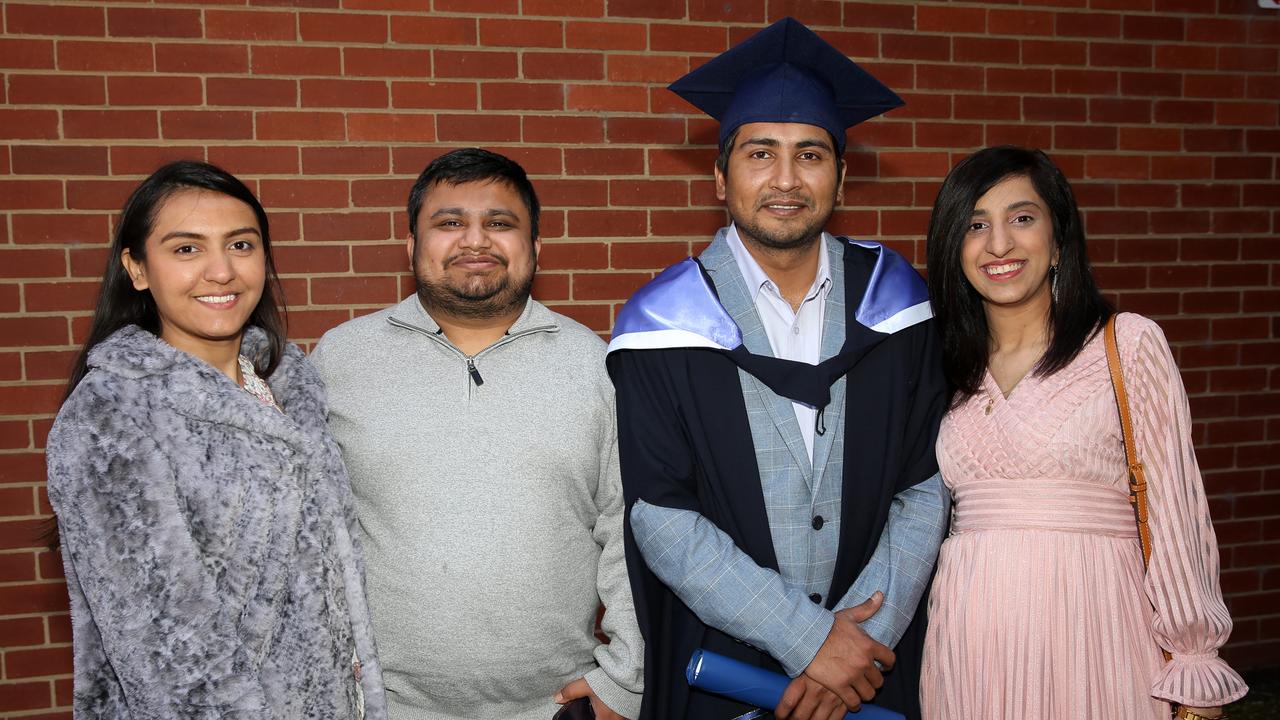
(793,335)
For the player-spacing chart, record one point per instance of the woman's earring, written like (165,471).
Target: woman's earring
(1053,282)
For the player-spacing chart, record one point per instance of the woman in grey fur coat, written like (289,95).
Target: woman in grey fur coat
(206,523)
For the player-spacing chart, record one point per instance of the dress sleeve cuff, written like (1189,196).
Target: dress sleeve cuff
(619,699)
(1199,681)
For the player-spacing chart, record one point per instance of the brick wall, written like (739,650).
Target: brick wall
(1164,113)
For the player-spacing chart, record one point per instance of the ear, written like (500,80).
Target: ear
(844,167)
(409,244)
(721,182)
(537,251)
(137,271)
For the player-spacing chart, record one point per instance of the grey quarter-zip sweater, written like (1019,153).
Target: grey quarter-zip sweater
(490,501)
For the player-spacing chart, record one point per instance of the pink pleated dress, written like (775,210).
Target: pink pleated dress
(1040,609)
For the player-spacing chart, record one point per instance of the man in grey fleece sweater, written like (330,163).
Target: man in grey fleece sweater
(478,428)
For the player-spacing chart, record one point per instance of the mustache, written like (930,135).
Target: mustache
(804,200)
(501,260)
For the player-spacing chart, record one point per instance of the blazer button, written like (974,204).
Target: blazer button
(818,522)
(816,598)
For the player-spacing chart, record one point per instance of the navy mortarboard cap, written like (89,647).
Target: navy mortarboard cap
(786,73)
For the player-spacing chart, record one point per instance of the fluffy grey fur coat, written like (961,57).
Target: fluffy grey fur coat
(209,542)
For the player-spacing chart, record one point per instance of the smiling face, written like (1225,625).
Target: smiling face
(1009,246)
(474,256)
(205,268)
(781,183)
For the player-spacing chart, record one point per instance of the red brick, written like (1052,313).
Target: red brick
(1020,23)
(988,50)
(347,227)
(1154,27)
(345,160)
(25,53)
(153,22)
(37,662)
(478,128)
(1186,112)
(1247,113)
(563,66)
(295,193)
(18,632)
(98,194)
(684,38)
(475,64)
(344,93)
(648,193)
(1148,195)
(573,256)
(434,95)
(54,19)
(1054,52)
(154,90)
(300,126)
(100,55)
(393,127)
(255,159)
(50,365)
(511,32)
(62,228)
(30,195)
(607,286)
(378,193)
(521,96)
(618,98)
(1085,82)
(1181,167)
(14,435)
(433,30)
(646,68)
(947,19)
(22,695)
(948,77)
(56,89)
(874,15)
(296,60)
(342,27)
(1207,85)
(1246,168)
(53,297)
(249,25)
(380,258)
(354,290)
(305,324)
(1102,54)
(607,162)
(381,62)
(252,92)
(206,124)
(201,58)
(570,8)
(967,107)
(492,7)
(24,467)
(58,160)
(1119,110)
(1090,25)
(916,47)
(1213,140)
(296,259)
(109,124)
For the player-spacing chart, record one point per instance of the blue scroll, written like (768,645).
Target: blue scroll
(755,686)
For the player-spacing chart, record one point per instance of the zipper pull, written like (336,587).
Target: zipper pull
(475,374)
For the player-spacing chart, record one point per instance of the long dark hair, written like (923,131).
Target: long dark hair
(119,304)
(1076,314)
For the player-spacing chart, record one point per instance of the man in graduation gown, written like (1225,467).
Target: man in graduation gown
(778,401)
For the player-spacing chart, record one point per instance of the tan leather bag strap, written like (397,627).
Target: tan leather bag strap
(1137,478)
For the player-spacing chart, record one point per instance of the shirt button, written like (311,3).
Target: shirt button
(795,330)
(818,522)
(816,598)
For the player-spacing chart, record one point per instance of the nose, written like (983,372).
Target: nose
(476,235)
(785,178)
(999,240)
(219,268)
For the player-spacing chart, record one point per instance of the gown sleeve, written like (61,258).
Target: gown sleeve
(167,632)
(1191,620)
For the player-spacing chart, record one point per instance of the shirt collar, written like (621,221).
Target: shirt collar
(755,276)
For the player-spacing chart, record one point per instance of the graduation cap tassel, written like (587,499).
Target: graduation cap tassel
(820,423)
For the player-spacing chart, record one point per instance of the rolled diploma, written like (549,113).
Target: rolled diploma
(755,686)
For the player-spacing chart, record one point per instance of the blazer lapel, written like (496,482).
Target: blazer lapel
(833,335)
(738,300)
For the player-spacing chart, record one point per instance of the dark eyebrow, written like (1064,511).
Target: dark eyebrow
(185,235)
(491,212)
(1023,203)
(814,142)
(767,142)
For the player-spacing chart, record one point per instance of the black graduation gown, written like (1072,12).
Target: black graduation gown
(685,443)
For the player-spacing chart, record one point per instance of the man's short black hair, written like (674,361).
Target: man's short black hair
(473,165)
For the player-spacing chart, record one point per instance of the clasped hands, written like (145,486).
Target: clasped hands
(843,674)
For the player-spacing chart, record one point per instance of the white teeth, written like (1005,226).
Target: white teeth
(1001,269)
(215,299)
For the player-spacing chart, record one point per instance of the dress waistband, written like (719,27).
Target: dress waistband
(1042,504)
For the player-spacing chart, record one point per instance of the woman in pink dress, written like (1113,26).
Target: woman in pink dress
(1041,609)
